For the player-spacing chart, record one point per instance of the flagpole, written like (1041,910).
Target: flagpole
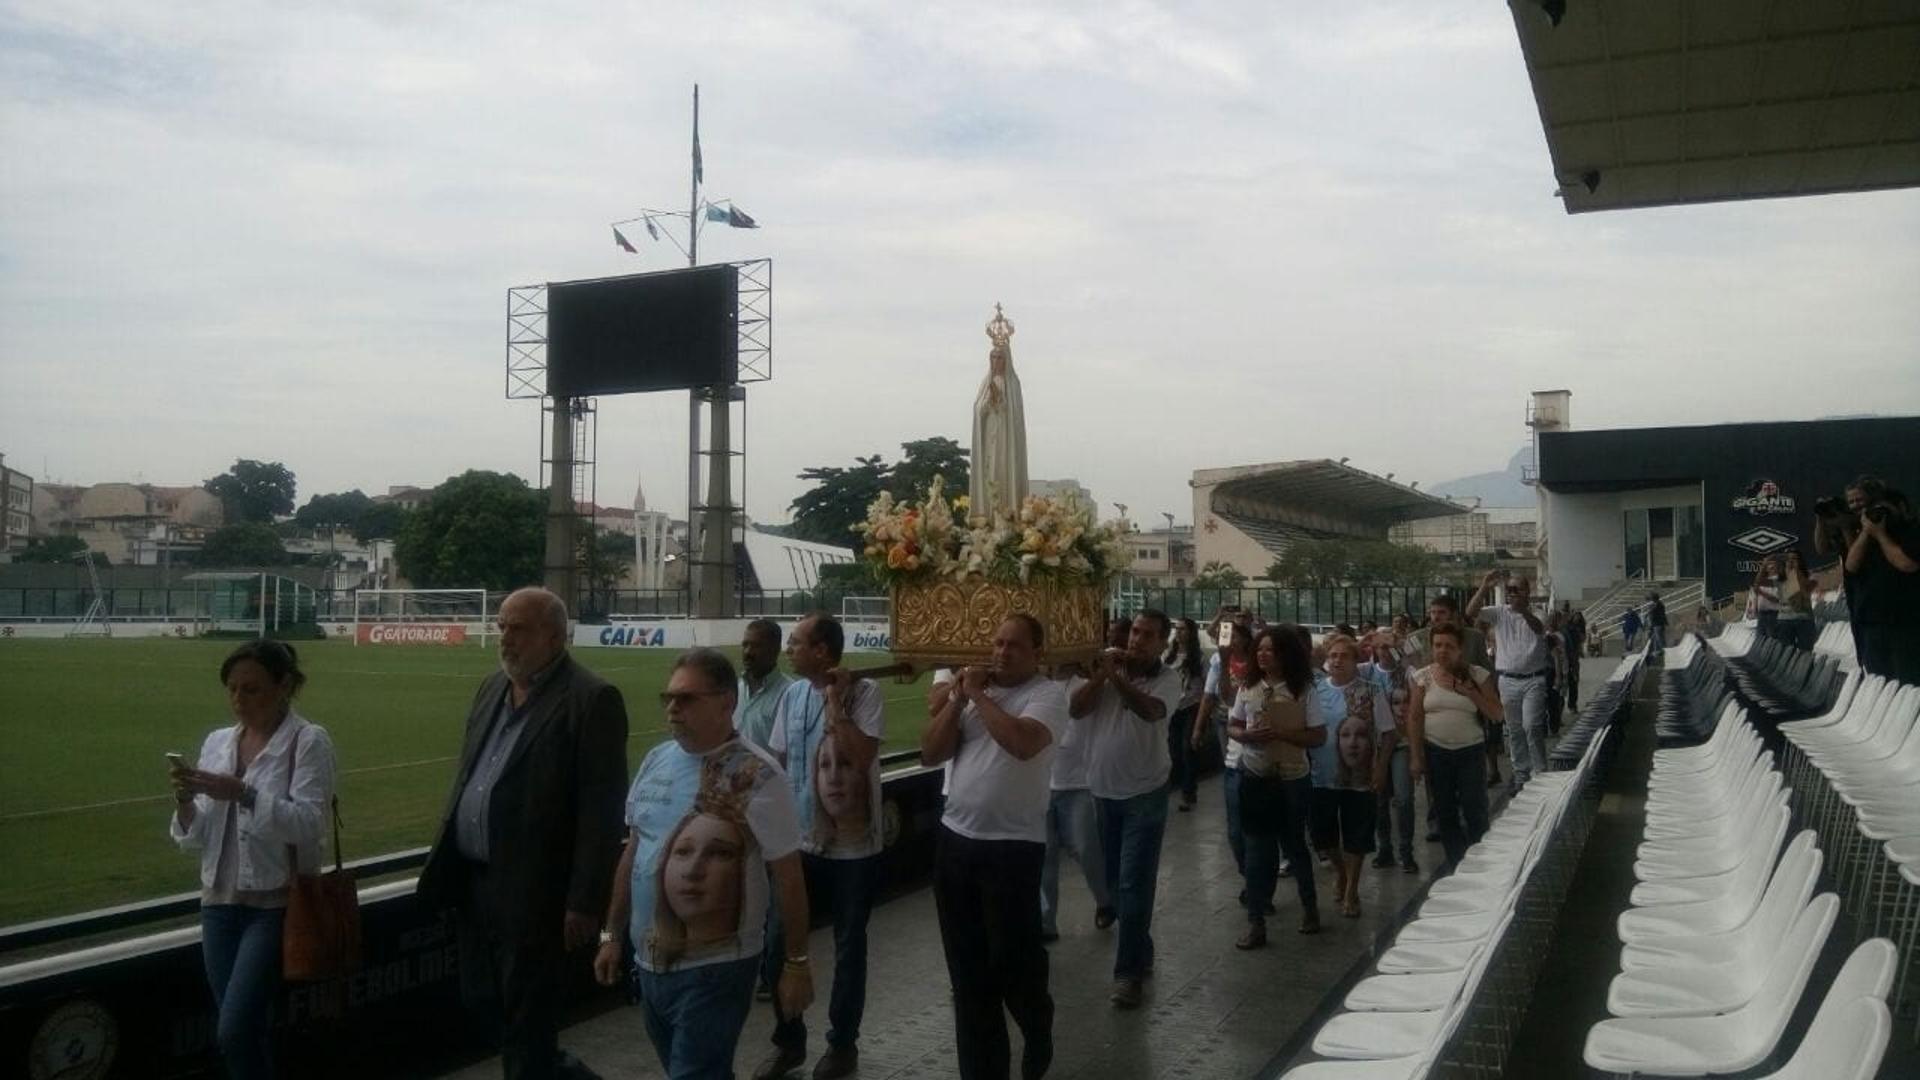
(694,542)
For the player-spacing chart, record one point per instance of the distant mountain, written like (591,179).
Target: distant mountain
(1492,488)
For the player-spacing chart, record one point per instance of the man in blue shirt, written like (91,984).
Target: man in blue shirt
(761,682)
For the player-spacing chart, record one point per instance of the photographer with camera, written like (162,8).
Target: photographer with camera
(1883,581)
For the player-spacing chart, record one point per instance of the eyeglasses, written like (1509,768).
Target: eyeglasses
(669,699)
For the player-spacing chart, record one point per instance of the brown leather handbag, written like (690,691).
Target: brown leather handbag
(320,939)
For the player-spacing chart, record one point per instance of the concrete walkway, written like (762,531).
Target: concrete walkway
(1211,1011)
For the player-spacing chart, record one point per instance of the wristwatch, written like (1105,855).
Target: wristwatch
(606,937)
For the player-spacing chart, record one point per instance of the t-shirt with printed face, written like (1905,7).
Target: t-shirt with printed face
(1356,716)
(839,807)
(994,795)
(705,826)
(1127,754)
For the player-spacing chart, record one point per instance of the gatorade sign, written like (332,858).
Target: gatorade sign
(411,634)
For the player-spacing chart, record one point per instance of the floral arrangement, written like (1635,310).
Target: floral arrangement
(1047,539)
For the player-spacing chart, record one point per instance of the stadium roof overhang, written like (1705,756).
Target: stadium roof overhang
(1662,102)
(1321,495)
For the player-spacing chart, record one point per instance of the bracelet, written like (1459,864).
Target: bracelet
(606,937)
(797,961)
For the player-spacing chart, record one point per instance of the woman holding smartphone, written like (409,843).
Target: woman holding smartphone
(255,809)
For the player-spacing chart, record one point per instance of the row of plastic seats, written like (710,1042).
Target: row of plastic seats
(1836,640)
(1693,693)
(1782,680)
(1856,769)
(1460,962)
(1605,706)
(1724,931)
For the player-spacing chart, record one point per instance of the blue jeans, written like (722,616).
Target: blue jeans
(1396,806)
(694,1015)
(846,888)
(1236,835)
(1071,828)
(241,946)
(1130,835)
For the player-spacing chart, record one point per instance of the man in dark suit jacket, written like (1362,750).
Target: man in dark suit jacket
(527,846)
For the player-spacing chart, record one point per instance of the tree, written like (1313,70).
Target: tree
(838,500)
(924,459)
(1327,563)
(604,557)
(254,490)
(247,543)
(840,496)
(1219,575)
(479,530)
(57,549)
(382,521)
(343,510)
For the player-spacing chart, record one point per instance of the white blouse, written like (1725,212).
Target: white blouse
(283,812)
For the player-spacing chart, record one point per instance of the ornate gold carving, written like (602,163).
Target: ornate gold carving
(953,622)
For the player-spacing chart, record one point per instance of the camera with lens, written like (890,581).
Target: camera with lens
(1877,513)
(1830,506)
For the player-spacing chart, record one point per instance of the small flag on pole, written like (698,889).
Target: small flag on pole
(622,240)
(716,213)
(738,218)
(651,231)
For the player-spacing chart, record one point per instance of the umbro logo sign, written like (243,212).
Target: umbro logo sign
(1763,540)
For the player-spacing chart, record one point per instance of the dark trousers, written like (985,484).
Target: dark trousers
(1889,649)
(1273,814)
(512,983)
(1459,779)
(846,888)
(987,895)
(1184,775)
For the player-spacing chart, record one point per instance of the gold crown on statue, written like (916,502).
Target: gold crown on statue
(1001,328)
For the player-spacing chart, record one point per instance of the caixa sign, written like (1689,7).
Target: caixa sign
(634,636)
(411,634)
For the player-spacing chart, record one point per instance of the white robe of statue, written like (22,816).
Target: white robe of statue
(999,468)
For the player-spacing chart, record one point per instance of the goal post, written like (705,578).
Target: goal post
(421,616)
(867,609)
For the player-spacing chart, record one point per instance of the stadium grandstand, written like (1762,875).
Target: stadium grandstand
(1246,516)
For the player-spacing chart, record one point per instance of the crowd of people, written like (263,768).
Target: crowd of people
(762,814)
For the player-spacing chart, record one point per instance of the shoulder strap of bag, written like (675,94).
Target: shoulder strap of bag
(293,853)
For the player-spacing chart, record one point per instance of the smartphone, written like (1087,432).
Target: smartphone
(1225,634)
(178,761)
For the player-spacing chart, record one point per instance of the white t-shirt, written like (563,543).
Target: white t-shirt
(994,795)
(1516,648)
(1278,758)
(1070,755)
(1126,753)
(840,816)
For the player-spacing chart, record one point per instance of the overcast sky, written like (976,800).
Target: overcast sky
(1228,233)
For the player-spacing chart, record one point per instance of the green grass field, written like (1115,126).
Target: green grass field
(84,725)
